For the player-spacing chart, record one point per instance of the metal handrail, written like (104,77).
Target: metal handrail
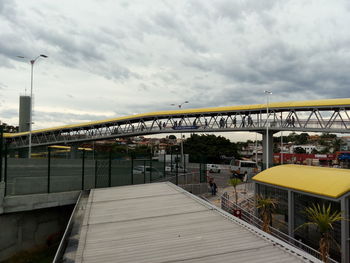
(62,246)
(229,206)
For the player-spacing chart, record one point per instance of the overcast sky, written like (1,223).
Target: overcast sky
(114,58)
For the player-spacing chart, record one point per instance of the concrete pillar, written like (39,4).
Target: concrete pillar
(344,204)
(270,148)
(24,113)
(24,119)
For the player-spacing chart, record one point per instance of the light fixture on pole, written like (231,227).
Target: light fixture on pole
(267,127)
(32,61)
(181,142)
(179,105)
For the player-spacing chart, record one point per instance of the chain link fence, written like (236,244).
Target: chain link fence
(56,173)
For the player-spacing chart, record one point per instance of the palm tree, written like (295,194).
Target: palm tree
(234,182)
(266,206)
(323,218)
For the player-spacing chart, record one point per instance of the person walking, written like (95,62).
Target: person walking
(210,182)
(213,188)
(250,121)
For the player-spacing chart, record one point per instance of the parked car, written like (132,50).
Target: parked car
(213,168)
(140,169)
(172,168)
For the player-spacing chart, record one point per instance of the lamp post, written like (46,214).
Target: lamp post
(181,142)
(281,147)
(267,127)
(32,61)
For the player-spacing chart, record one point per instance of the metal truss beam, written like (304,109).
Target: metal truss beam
(334,120)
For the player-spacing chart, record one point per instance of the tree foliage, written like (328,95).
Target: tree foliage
(9,128)
(234,182)
(299,150)
(266,206)
(209,146)
(323,218)
(300,139)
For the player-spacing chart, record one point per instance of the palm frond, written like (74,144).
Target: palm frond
(234,182)
(322,217)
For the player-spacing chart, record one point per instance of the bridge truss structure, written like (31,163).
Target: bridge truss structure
(331,116)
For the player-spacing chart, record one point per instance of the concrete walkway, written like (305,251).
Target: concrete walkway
(243,191)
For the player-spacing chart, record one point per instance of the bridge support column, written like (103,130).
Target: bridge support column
(2,196)
(269,150)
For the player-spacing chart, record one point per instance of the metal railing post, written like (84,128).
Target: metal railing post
(204,171)
(1,153)
(171,160)
(144,171)
(184,163)
(110,169)
(177,169)
(5,172)
(132,169)
(95,173)
(164,170)
(48,168)
(150,168)
(83,170)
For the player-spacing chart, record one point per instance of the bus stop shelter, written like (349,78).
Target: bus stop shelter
(296,187)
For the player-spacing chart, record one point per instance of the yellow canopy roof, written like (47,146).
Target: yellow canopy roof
(331,182)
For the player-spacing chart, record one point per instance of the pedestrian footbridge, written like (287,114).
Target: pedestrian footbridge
(309,116)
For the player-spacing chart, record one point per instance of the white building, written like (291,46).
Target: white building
(308,148)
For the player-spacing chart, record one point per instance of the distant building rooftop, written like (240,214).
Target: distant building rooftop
(163,223)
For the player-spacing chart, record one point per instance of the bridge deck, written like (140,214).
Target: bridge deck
(163,223)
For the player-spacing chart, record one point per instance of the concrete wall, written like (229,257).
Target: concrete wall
(10,204)
(26,230)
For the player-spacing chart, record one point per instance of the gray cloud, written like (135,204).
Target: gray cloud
(9,113)
(40,116)
(134,57)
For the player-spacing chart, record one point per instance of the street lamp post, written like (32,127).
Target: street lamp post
(181,142)
(267,127)
(281,152)
(32,61)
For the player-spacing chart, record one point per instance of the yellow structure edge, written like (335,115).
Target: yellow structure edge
(291,104)
(323,181)
(60,147)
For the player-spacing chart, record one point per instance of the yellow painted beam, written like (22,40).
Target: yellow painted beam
(85,149)
(60,147)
